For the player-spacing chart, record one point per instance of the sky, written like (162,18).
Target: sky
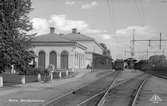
(108,21)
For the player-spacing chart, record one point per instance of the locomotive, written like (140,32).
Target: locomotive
(119,65)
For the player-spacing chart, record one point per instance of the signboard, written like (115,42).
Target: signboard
(155,99)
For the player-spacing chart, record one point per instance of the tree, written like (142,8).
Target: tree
(103,45)
(14,37)
(106,51)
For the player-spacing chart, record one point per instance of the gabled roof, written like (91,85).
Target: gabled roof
(77,37)
(51,37)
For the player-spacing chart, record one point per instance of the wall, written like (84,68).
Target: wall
(79,58)
(91,46)
(72,50)
(16,79)
(89,59)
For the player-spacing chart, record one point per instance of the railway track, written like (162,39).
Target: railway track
(158,74)
(81,96)
(96,93)
(124,94)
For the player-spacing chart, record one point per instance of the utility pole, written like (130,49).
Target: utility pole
(125,53)
(149,41)
(133,43)
(160,40)
(163,52)
(147,54)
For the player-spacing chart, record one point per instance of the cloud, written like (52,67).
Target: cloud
(117,42)
(69,3)
(140,32)
(40,25)
(130,29)
(93,31)
(103,37)
(62,24)
(124,36)
(106,36)
(90,5)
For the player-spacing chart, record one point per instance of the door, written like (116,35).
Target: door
(53,59)
(41,60)
(64,60)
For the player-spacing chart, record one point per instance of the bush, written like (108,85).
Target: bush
(34,71)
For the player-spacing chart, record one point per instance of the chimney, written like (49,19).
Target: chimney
(52,30)
(74,30)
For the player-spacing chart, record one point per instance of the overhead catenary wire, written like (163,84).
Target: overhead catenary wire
(143,13)
(161,50)
(110,12)
(140,10)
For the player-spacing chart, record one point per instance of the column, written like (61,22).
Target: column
(46,59)
(36,60)
(84,58)
(73,62)
(77,60)
(82,61)
(58,60)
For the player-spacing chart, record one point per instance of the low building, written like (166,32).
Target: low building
(90,43)
(62,53)
(65,51)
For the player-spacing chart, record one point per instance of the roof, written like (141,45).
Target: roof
(77,37)
(80,37)
(51,37)
(102,56)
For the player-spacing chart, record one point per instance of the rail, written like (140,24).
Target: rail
(102,101)
(112,85)
(52,100)
(137,93)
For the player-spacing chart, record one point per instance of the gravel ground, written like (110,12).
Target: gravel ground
(36,94)
(154,86)
(121,95)
(80,95)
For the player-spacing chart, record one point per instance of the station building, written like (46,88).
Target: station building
(65,51)
(91,44)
